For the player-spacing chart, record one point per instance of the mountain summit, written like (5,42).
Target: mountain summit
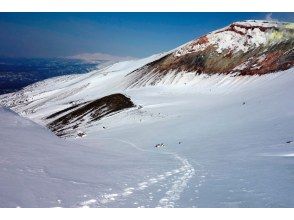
(242,48)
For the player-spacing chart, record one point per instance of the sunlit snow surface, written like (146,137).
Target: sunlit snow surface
(225,39)
(225,145)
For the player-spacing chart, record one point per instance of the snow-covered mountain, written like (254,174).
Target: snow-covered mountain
(250,48)
(242,48)
(219,107)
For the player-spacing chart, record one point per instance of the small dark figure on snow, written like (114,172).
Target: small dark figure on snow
(159,145)
(81,134)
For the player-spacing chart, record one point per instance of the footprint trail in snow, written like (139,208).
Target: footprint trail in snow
(174,193)
(184,174)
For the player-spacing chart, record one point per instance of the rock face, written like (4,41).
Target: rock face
(242,48)
(87,112)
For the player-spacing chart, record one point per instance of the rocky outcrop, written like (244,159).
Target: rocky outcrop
(88,112)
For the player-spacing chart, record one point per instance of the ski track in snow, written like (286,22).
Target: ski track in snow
(186,171)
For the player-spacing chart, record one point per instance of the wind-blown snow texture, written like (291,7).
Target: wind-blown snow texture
(228,142)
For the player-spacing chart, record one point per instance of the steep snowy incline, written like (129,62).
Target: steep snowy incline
(242,48)
(219,60)
(40,170)
(221,112)
(240,144)
(221,150)
(47,97)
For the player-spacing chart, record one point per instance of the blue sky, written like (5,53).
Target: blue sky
(122,34)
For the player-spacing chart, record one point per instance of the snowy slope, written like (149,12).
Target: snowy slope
(219,153)
(255,48)
(49,96)
(40,170)
(227,138)
(238,36)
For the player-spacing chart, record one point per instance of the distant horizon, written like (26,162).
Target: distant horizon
(138,35)
(56,57)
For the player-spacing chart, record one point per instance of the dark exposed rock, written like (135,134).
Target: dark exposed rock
(94,110)
(62,111)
